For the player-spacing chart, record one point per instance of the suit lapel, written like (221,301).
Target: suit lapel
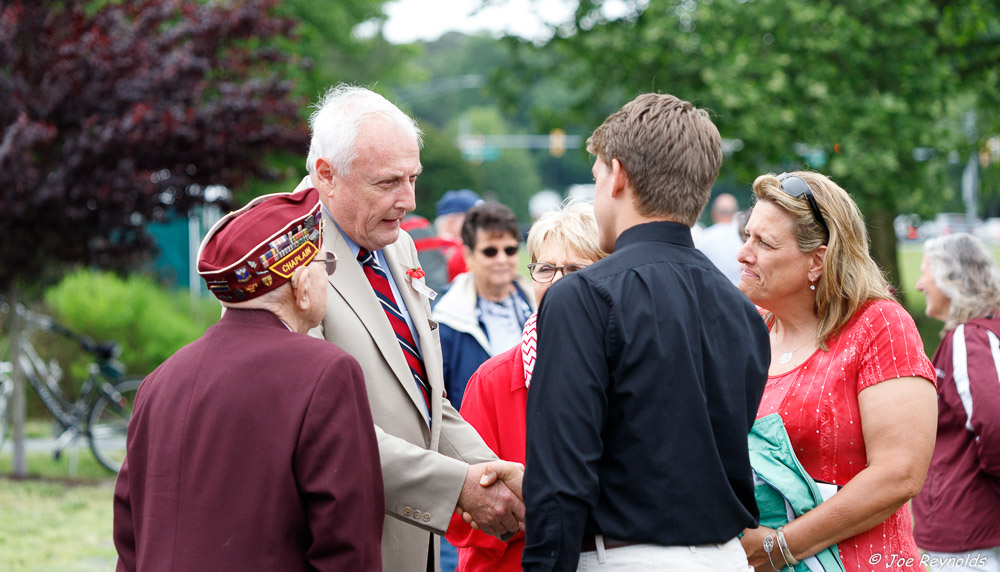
(399,263)
(351,283)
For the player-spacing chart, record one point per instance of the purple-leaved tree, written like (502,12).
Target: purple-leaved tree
(112,116)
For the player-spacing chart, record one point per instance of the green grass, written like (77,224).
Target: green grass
(59,518)
(910,255)
(53,525)
(77,464)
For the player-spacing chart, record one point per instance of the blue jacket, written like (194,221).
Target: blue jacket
(464,344)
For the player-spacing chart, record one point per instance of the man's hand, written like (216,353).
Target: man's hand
(511,474)
(491,498)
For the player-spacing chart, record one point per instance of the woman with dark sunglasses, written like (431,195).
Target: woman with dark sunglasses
(848,376)
(484,309)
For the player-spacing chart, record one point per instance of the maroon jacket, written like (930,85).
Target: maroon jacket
(252,448)
(959,507)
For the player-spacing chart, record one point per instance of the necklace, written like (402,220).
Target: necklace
(787,356)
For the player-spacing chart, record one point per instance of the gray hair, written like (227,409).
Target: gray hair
(966,272)
(338,118)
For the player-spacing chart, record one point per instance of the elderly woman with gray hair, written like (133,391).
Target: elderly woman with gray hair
(957,515)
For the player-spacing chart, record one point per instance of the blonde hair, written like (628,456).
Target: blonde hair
(670,150)
(967,274)
(850,277)
(573,224)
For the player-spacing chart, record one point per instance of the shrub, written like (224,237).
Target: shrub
(149,321)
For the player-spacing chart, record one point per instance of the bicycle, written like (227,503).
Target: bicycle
(104,407)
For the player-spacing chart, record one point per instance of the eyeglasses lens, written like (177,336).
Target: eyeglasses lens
(547,272)
(329,261)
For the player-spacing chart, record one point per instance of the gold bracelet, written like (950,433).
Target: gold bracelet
(786,553)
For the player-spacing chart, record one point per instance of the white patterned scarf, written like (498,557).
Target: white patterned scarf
(529,347)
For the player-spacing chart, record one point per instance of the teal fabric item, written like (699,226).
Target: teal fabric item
(783,486)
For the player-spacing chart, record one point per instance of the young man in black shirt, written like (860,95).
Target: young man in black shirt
(651,365)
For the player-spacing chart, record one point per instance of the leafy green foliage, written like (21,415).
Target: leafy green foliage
(846,88)
(149,322)
(445,169)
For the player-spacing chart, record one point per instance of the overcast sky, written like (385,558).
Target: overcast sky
(411,20)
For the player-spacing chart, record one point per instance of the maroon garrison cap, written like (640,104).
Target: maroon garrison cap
(255,249)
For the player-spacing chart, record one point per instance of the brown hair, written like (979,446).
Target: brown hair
(491,217)
(850,277)
(670,150)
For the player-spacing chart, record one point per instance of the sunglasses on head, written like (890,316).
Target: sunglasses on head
(491,251)
(796,187)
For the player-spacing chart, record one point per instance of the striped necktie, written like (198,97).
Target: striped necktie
(383,291)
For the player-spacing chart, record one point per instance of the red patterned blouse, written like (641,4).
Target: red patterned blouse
(818,402)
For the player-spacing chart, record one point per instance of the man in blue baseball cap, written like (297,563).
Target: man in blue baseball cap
(451,209)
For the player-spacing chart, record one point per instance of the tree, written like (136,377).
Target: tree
(116,113)
(847,88)
(445,169)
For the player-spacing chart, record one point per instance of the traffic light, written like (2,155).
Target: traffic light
(557,142)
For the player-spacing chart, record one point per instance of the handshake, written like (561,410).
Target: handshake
(491,498)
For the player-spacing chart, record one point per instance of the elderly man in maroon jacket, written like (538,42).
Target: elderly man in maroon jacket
(253,447)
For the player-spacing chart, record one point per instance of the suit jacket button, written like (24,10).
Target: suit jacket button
(407,511)
(416,515)
(427,517)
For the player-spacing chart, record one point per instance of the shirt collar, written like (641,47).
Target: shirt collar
(660,231)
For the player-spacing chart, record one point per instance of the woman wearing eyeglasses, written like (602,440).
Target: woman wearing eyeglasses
(484,309)
(848,376)
(560,242)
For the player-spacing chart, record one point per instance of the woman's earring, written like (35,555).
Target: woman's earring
(811,280)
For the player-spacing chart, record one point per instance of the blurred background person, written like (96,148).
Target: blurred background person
(485,309)
(848,375)
(721,241)
(559,242)
(957,515)
(439,247)
(450,211)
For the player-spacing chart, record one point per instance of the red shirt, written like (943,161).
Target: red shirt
(818,401)
(494,403)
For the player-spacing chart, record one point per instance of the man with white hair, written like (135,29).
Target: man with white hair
(364,160)
(252,448)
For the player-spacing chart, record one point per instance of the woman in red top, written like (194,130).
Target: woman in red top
(957,515)
(559,242)
(848,376)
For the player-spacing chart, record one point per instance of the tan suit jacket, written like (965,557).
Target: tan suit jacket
(423,467)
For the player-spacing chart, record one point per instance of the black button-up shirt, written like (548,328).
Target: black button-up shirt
(651,365)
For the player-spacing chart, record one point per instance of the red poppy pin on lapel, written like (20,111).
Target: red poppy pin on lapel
(417,282)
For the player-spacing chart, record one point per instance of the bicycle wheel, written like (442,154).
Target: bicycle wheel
(108,423)
(6,396)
